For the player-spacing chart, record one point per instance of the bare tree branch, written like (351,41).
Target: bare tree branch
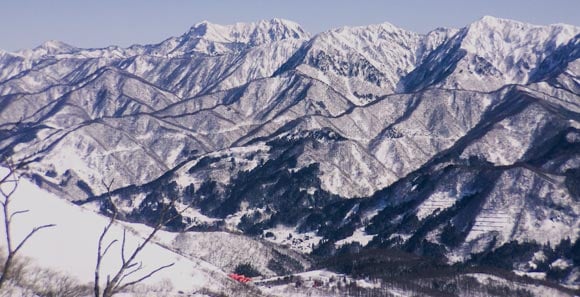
(12,180)
(27,237)
(17,213)
(123,260)
(129,266)
(108,247)
(131,272)
(100,253)
(146,276)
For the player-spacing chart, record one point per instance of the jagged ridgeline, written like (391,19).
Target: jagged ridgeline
(458,144)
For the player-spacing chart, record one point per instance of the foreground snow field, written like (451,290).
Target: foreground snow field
(70,246)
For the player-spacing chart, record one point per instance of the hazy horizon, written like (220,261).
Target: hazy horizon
(29,23)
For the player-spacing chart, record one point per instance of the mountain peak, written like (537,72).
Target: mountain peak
(494,19)
(50,47)
(491,30)
(385,26)
(55,47)
(254,33)
(495,23)
(54,44)
(281,21)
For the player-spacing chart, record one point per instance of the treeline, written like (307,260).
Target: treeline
(430,277)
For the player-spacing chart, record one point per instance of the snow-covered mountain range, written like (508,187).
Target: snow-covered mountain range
(463,139)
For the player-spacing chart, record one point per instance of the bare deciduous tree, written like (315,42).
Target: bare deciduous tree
(129,265)
(8,186)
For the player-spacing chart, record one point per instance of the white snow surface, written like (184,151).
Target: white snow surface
(534,289)
(289,237)
(359,235)
(70,246)
(502,51)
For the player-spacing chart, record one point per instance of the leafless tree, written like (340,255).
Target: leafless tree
(116,282)
(45,282)
(8,186)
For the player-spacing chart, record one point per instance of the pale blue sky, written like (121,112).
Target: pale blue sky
(83,23)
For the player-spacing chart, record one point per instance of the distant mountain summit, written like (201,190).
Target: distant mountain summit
(261,32)
(214,39)
(449,144)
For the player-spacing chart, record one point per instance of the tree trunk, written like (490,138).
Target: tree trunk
(6,270)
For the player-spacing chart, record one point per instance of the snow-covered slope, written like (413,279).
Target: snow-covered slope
(365,63)
(70,247)
(214,39)
(489,54)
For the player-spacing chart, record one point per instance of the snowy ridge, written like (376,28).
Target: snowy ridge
(367,62)
(213,39)
(265,31)
(493,52)
(51,47)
